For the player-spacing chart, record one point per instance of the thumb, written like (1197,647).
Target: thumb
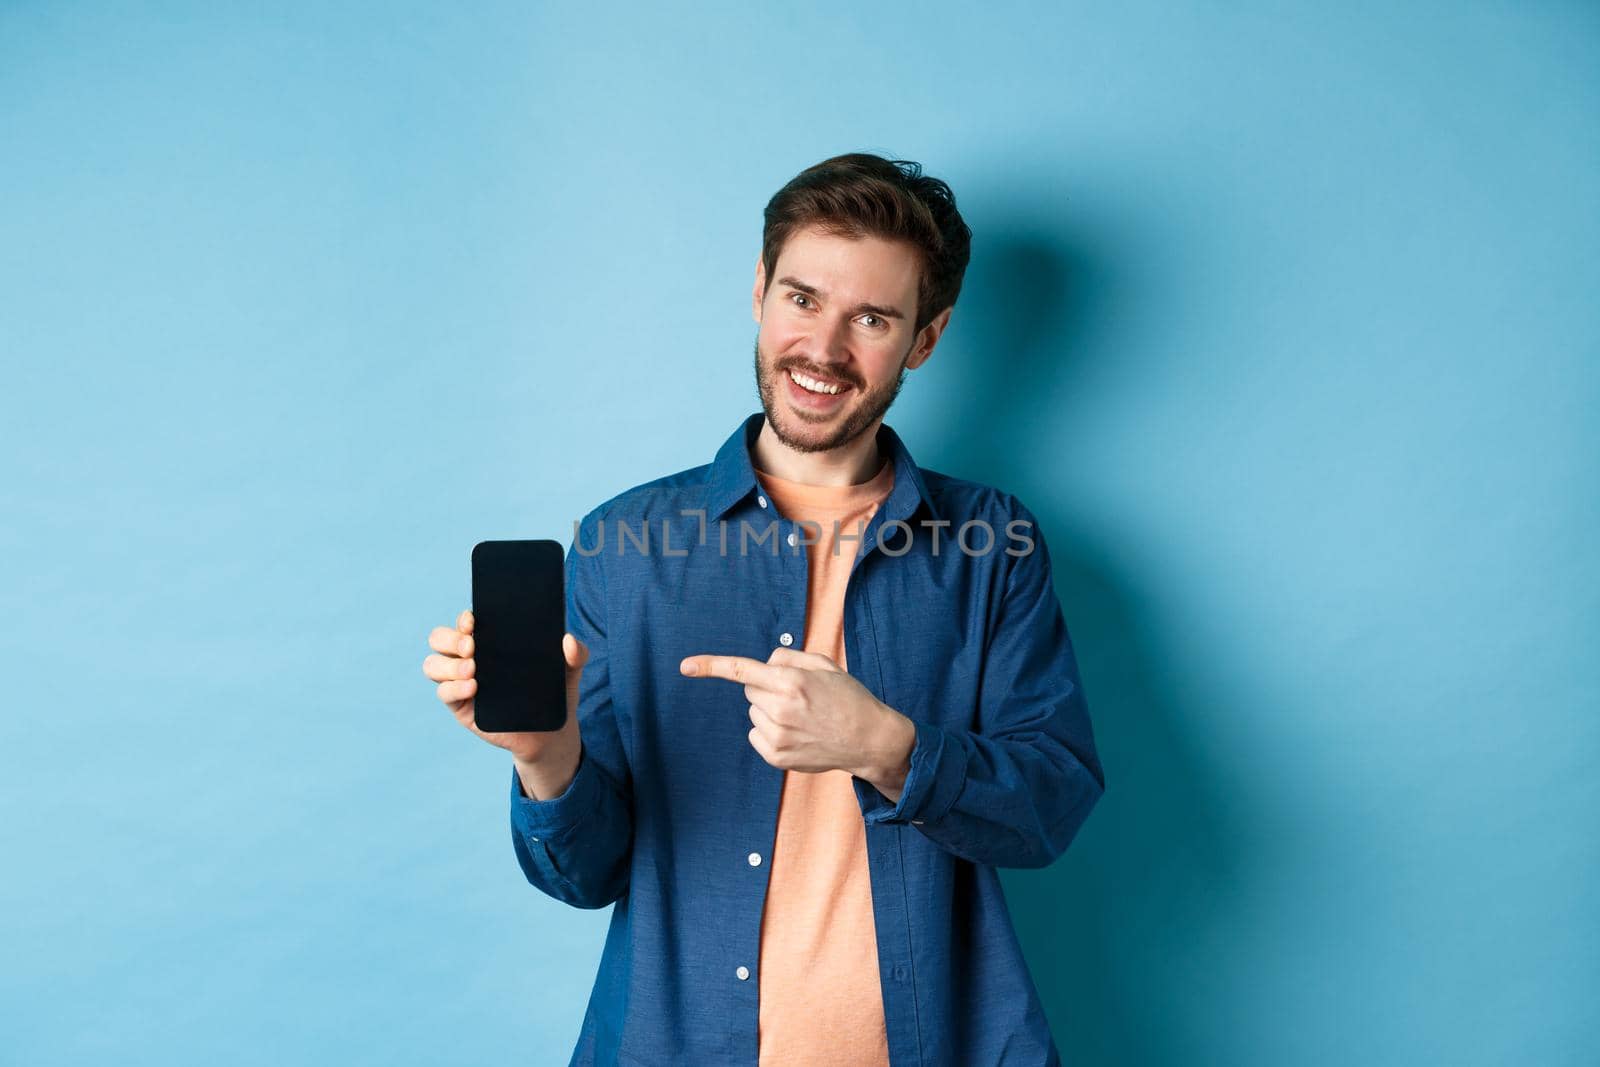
(575,651)
(576,654)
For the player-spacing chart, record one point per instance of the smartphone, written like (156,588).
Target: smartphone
(519,616)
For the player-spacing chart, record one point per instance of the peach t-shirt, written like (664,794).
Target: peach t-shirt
(821,1001)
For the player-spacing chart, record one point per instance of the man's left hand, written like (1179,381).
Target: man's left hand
(808,714)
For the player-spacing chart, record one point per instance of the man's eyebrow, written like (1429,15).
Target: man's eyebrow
(811,290)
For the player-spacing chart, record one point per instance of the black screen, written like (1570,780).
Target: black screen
(519,617)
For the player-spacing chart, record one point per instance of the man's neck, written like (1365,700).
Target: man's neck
(851,464)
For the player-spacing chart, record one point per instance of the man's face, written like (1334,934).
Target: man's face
(839,312)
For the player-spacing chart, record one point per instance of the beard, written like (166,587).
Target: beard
(827,431)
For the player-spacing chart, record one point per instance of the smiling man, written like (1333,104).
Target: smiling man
(817,695)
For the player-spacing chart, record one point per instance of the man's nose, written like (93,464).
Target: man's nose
(833,343)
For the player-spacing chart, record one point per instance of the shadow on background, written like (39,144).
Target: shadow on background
(1155,866)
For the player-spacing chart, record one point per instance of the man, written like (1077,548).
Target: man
(817,695)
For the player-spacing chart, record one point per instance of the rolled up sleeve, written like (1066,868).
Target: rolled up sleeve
(1015,791)
(577,846)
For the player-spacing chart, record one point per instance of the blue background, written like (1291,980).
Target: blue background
(1282,317)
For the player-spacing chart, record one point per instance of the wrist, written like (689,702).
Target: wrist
(889,754)
(549,772)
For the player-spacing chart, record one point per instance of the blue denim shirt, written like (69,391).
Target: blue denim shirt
(670,799)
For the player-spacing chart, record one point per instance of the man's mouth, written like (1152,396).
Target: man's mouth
(820,386)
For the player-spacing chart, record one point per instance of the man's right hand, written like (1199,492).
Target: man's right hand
(553,751)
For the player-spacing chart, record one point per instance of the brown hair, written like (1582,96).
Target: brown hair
(862,195)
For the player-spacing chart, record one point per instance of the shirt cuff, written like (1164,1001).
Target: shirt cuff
(553,817)
(938,773)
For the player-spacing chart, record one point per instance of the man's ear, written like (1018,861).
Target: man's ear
(760,289)
(927,339)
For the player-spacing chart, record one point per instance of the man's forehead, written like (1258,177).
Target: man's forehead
(853,265)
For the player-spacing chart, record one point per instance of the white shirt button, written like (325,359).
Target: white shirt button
(761,500)
(786,639)
(791,538)
(755,859)
(743,973)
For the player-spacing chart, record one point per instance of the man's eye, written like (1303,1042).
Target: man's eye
(874,318)
(800,296)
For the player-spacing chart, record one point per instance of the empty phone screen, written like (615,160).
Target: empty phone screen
(519,617)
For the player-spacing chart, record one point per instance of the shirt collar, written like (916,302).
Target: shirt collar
(733,475)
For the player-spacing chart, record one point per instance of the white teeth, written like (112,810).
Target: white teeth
(811,384)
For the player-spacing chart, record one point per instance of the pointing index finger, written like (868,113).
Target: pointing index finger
(733,668)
